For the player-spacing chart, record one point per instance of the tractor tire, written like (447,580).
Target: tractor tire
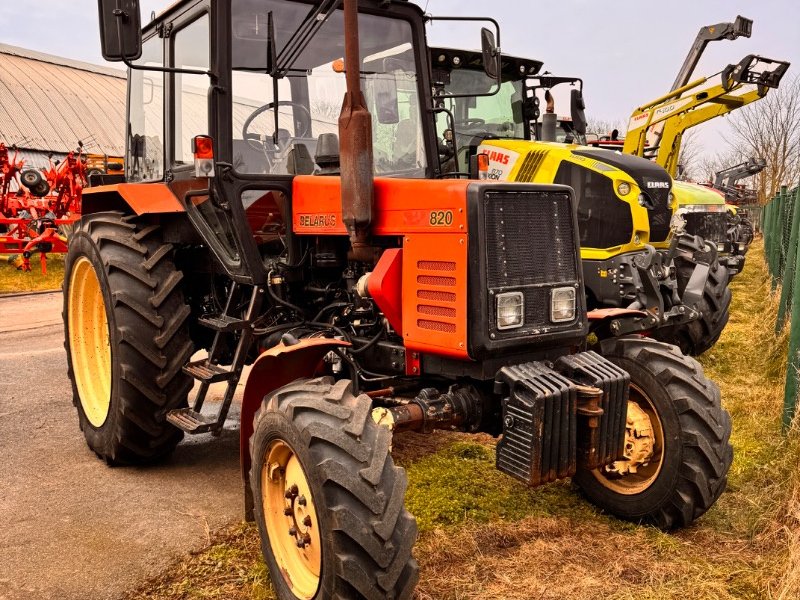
(685,429)
(126,336)
(329,501)
(700,335)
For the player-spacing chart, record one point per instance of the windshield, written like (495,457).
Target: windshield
(499,115)
(310,96)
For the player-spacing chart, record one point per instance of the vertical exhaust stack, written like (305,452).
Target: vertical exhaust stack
(355,135)
(549,118)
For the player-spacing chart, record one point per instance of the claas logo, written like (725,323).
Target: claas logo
(495,156)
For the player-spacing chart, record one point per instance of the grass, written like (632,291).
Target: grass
(13,280)
(482,535)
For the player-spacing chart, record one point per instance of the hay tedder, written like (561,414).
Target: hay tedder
(372,292)
(39,206)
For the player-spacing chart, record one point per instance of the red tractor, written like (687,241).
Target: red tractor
(370,296)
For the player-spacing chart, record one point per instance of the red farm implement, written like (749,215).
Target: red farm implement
(38,205)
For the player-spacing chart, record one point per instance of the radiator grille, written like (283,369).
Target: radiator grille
(530,239)
(530,248)
(711,226)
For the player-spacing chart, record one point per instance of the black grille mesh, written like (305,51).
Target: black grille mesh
(711,226)
(530,239)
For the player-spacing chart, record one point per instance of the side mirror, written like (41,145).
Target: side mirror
(577,107)
(491,57)
(120,30)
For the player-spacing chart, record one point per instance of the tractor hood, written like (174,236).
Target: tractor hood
(652,179)
(691,194)
(549,162)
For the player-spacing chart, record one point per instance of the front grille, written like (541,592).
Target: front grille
(531,248)
(711,226)
(529,239)
(523,238)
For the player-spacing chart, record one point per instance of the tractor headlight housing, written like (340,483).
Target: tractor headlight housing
(623,188)
(510,310)
(562,304)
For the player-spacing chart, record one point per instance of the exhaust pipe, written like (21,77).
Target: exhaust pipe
(355,138)
(549,118)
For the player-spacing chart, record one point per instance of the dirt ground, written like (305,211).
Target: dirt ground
(71,527)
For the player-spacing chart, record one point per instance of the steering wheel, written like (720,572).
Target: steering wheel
(252,137)
(472,122)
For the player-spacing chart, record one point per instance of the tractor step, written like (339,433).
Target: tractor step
(223,323)
(206,372)
(192,421)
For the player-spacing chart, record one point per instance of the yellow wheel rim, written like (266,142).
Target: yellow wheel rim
(291,520)
(644,449)
(89,346)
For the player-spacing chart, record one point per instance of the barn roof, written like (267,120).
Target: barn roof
(48,103)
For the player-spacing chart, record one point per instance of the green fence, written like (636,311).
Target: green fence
(780,222)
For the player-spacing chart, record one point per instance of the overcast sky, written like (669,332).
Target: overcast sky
(627,51)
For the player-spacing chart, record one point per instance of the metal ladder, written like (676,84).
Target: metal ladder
(208,370)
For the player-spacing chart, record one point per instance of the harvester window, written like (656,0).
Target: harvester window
(146,116)
(309,97)
(191,48)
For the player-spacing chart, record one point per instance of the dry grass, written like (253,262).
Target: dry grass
(485,536)
(13,280)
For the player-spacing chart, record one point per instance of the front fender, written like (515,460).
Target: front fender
(278,366)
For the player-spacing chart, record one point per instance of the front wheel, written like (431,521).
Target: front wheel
(677,454)
(329,501)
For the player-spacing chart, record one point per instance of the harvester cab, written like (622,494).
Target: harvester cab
(370,297)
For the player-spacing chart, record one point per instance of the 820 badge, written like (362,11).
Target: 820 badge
(441,218)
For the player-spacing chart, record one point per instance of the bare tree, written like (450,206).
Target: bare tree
(691,156)
(770,129)
(605,127)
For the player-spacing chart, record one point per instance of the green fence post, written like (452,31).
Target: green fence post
(765,228)
(790,264)
(770,233)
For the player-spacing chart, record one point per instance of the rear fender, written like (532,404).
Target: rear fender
(139,198)
(275,368)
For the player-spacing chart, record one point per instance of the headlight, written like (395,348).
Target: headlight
(720,247)
(623,188)
(510,310)
(562,304)
(742,246)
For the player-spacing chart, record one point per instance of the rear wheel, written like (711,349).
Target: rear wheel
(329,501)
(677,453)
(126,337)
(697,336)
